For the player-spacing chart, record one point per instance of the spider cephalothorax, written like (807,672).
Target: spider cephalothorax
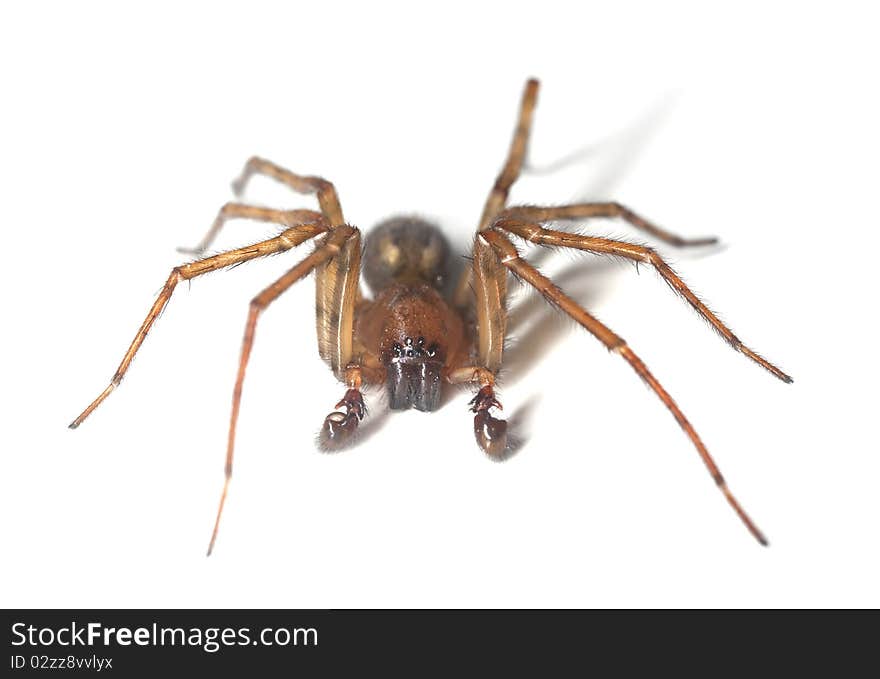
(417,334)
(409,338)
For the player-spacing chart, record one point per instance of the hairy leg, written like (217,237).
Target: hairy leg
(497,198)
(285,241)
(331,247)
(324,190)
(337,280)
(490,297)
(336,293)
(524,271)
(638,253)
(532,213)
(229,211)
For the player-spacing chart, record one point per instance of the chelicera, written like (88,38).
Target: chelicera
(409,337)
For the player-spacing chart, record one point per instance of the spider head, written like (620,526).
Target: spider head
(413,375)
(406,250)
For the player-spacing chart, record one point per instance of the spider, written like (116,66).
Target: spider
(409,337)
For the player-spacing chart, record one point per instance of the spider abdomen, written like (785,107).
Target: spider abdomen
(407,250)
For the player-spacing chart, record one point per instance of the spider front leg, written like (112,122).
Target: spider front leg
(336,280)
(229,211)
(328,200)
(335,243)
(285,241)
(510,172)
(323,189)
(490,294)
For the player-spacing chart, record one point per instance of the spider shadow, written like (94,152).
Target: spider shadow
(376,420)
(519,428)
(613,154)
(534,326)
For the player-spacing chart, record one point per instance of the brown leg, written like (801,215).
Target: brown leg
(336,281)
(584,210)
(515,156)
(328,249)
(523,270)
(638,253)
(229,211)
(285,241)
(336,292)
(490,304)
(327,198)
(509,173)
(490,432)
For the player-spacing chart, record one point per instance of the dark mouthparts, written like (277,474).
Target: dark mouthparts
(414,383)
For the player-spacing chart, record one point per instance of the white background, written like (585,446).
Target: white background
(120,132)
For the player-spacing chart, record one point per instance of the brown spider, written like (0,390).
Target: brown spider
(409,337)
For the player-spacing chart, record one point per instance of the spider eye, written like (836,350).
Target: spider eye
(414,348)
